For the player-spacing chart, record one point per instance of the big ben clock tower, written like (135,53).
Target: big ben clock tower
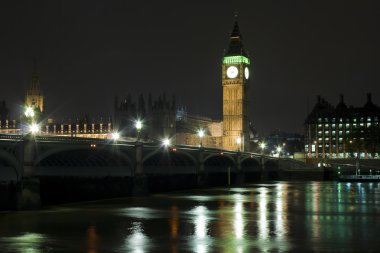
(235,81)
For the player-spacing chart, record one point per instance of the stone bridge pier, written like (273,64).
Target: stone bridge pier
(28,188)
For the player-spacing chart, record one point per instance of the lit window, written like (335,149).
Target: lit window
(340,125)
(326,139)
(354,125)
(340,132)
(347,132)
(340,120)
(319,139)
(320,125)
(319,119)
(368,124)
(354,120)
(361,124)
(326,125)
(347,125)
(333,132)
(326,132)
(369,119)
(361,119)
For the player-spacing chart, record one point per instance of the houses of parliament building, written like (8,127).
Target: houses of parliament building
(161,116)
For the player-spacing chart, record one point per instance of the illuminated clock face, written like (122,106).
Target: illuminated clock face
(246,73)
(232,72)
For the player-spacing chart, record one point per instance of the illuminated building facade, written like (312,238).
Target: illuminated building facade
(34,97)
(158,117)
(341,131)
(235,81)
(6,125)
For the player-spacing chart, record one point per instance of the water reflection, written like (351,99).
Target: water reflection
(92,240)
(27,242)
(174,218)
(263,220)
(273,217)
(201,241)
(137,241)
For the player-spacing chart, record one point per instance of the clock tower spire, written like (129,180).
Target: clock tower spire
(235,81)
(34,96)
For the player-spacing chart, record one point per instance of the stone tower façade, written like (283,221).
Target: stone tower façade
(34,96)
(235,81)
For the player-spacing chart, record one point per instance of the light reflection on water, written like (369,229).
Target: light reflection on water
(276,217)
(24,243)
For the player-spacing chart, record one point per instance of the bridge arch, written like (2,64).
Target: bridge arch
(84,162)
(217,158)
(271,169)
(82,156)
(14,167)
(163,157)
(249,163)
(220,168)
(168,170)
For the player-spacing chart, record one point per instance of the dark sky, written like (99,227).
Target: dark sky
(90,51)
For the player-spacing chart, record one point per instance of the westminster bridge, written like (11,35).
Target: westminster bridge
(51,169)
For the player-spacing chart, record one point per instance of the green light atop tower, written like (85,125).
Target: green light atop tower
(236,60)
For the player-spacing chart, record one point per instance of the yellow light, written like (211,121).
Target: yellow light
(201,133)
(238,140)
(263,145)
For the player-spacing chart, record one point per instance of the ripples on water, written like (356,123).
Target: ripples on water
(276,217)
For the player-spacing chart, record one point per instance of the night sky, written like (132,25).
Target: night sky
(90,51)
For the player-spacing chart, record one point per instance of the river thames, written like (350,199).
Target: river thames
(271,217)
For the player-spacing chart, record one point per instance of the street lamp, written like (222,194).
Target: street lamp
(29,112)
(201,133)
(262,146)
(138,126)
(279,149)
(166,142)
(34,128)
(238,142)
(115,136)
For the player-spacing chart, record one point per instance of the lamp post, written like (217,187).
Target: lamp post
(115,136)
(34,128)
(138,126)
(238,142)
(279,149)
(201,133)
(262,146)
(166,142)
(29,112)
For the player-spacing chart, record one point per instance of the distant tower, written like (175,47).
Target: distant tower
(235,81)
(34,96)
